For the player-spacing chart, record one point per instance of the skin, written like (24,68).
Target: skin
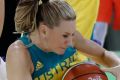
(1,15)
(2,63)
(55,39)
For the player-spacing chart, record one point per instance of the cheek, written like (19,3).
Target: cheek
(65,42)
(56,40)
(53,40)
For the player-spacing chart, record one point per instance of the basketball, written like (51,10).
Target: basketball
(85,72)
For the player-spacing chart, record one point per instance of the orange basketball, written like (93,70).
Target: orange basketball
(85,72)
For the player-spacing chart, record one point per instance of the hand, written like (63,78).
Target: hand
(114,70)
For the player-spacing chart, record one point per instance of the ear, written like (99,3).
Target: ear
(43,29)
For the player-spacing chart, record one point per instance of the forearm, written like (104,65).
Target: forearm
(92,48)
(96,52)
(100,55)
(93,51)
(87,46)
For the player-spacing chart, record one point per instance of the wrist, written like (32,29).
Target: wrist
(111,58)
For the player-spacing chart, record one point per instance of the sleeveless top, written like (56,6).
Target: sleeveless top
(49,65)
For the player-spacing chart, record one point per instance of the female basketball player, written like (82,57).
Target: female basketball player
(47,47)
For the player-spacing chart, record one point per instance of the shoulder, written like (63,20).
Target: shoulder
(18,54)
(16,47)
(17,50)
(18,59)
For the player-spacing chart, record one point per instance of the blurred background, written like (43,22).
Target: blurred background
(112,39)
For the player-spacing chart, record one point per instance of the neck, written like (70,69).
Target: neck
(38,40)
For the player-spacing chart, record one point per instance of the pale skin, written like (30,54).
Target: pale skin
(1,15)
(19,64)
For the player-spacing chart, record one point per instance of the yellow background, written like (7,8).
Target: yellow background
(86,11)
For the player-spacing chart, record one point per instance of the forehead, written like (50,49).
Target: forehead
(66,26)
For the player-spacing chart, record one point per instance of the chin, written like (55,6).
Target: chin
(60,52)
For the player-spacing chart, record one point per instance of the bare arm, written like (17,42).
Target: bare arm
(1,15)
(18,63)
(95,51)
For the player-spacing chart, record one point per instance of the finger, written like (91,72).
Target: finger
(116,68)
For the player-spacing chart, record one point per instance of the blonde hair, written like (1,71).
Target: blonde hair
(30,13)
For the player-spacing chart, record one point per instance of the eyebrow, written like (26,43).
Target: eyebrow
(69,33)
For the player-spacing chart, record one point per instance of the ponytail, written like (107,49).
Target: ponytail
(29,13)
(25,17)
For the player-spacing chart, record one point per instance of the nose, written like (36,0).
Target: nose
(70,43)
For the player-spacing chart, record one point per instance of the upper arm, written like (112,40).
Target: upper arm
(17,63)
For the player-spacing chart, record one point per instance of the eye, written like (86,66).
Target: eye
(65,36)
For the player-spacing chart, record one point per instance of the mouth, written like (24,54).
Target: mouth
(63,48)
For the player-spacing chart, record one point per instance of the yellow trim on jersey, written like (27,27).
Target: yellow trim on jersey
(58,71)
